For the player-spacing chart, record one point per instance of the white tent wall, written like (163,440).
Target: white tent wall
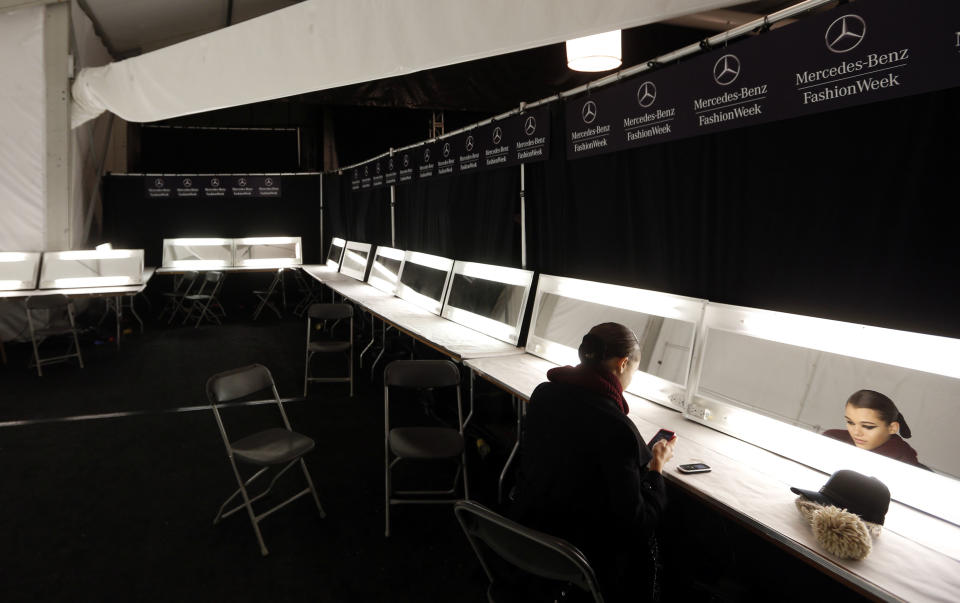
(22,130)
(90,143)
(320,44)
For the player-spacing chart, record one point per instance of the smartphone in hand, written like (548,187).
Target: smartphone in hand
(663,434)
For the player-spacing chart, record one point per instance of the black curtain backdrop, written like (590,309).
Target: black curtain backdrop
(847,215)
(470,217)
(354,216)
(131,220)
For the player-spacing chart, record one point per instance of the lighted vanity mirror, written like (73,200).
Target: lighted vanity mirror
(423,280)
(268,252)
(489,299)
(19,270)
(783,382)
(197,253)
(356,256)
(335,253)
(385,269)
(565,309)
(91,268)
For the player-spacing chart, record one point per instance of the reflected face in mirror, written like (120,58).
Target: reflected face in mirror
(867,428)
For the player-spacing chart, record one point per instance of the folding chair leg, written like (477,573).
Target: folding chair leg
(313,490)
(246,503)
(386,505)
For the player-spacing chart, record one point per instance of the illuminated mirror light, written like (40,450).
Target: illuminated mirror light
(92,254)
(92,281)
(390,252)
(269,240)
(599,52)
(418,299)
(499,274)
(430,261)
(12,256)
(270,262)
(198,264)
(627,298)
(200,242)
(487,326)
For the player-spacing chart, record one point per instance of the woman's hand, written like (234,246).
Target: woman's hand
(662,452)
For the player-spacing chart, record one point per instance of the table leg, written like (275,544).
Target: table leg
(118,306)
(470,384)
(133,310)
(373,338)
(513,452)
(383,348)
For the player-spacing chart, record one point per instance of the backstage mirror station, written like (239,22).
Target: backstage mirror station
(901,413)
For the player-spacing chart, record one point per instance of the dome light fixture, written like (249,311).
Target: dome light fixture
(600,52)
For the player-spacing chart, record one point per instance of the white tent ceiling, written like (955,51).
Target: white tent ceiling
(320,44)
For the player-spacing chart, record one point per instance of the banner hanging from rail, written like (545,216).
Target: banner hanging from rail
(522,138)
(227,186)
(857,53)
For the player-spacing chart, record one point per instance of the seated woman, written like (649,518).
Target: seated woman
(875,424)
(586,474)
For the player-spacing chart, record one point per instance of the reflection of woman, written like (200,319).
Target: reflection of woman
(875,424)
(586,474)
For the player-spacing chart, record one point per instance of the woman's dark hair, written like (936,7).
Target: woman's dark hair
(867,398)
(608,340)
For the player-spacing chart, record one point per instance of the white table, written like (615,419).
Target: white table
(113,294)
(917,558)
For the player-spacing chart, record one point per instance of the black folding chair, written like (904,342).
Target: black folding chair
(59,321)
(267,449)
(328,312)
(533,552)
(422,443)
(204,302)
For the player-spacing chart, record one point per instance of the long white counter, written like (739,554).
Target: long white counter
(917,557)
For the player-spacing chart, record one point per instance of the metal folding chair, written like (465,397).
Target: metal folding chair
(270,448)
(328,312)
(422,443)
(183,285)
(60,321)
(533,552)
(204,299)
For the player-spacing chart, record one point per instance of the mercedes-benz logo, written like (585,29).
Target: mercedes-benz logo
(497,135)
(588,112)
(215,182)
(469,144)
(845,33)
(390,164)
(268,181)
(242,182)
(187,183)
(426,155)
(406,160)
(446,149)
(366,171)
(158,183)
(646,94)
(726,70)
(530,126)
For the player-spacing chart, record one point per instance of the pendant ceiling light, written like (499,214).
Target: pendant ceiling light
(600,52)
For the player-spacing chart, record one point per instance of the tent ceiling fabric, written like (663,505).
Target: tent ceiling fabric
(321,44)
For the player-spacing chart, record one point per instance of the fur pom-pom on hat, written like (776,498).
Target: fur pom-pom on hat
(839,531)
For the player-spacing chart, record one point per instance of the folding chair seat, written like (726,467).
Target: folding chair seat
(204,303)
(60,321)
(173,300)
(422,442)
(328,312)
(265,450)
(535,553)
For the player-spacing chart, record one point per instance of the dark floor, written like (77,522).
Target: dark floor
(120,508)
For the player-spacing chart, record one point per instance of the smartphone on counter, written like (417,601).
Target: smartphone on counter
(663,434)
(694,468)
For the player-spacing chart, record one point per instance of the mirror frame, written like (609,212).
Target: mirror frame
(32,259)
(430,261)
(296,260)
(925,490)
(508,332)
(52,258)
(336,241)
(355,246)
(656,303)
(376,281)
(169,262)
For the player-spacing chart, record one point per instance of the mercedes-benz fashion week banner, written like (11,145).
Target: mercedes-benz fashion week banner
(857,53)
(517,139)
(211,187)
